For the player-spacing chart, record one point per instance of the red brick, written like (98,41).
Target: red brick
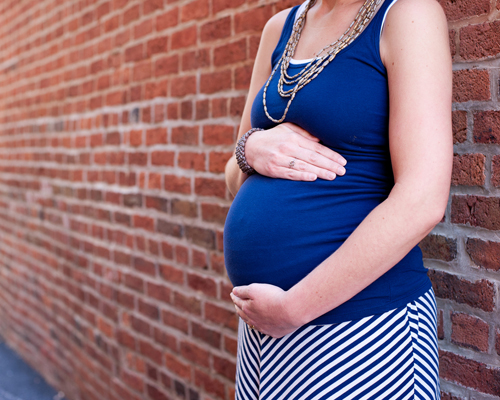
(131,14)
(476,211)
(487,127)
(156,394)
(459,120)
(175,321)
(204,284)
(168,65)
(479,294)
(440,325)
(480,41)
(439,247)
(157,45)
(217,161)
(186,208)
(214,213)
(190,160)
(151,352)
(196,9)
(143,28)
(189,304)
(209,383)
(171,274)
(220,5)
(253,19)
(460,9)
(242,77)
(134,53)
(217,29)
(210,187)
(468,331)
(469,373)
(197,355)
(218,134)
(133,381)
(176,366)
(178,184)
(185,135)
(215,81)
(162,158)
(157,291)
(167,20)
(183,86)
(497,342)
(471,84)
(142,71)
(485,254)
(184,38)
(195,59)
(221,316)
(495,171)
(468,169)
(156,136)
(224,367)
(230,53)
(165,339)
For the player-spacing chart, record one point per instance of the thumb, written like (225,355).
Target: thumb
(243,292)
(302,132)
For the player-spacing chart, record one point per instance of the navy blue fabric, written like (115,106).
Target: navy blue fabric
(278,230)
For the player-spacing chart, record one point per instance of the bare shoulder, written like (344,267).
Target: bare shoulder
(413,23)
(273,27)
(415,11)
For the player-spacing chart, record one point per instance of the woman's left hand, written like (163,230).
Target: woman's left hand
(264,307)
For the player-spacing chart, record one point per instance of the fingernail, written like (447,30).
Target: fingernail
(331,176)
(341,171)
(343,161)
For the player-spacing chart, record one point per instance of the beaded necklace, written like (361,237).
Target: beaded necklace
(322,58)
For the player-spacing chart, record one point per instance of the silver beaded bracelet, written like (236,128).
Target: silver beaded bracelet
(240,152)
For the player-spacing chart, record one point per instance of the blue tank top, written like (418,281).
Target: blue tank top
(277,230)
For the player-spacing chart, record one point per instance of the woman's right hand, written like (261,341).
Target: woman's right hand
(271,153)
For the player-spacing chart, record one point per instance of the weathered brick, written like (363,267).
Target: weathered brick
(479,294)
(487,127)
(476,211)
(459,123)
(196,9)
(480,41)
(469,373)
(217,29)
(456,10)
(468,169)
(253,19)
(471,84)
(485,254)
(468,331)
(439,247)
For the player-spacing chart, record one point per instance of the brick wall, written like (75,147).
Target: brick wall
(116,119)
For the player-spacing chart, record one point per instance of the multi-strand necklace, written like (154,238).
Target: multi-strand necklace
(322,58)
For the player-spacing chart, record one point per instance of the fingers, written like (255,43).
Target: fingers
(314,150)
(319,164)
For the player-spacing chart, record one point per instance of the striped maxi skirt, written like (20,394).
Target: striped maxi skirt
(389,356)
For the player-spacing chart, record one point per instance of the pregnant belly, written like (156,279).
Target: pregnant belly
(278,230)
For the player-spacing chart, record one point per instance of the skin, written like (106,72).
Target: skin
(414,49)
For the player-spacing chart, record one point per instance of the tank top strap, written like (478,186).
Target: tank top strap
(285,35)
(371,33)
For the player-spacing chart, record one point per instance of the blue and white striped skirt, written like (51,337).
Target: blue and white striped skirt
(389,356)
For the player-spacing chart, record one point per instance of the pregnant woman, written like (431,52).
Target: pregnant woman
(342,166)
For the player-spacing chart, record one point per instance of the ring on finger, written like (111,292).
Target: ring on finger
(291,164)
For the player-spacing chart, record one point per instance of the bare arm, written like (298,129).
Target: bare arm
(416,54)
